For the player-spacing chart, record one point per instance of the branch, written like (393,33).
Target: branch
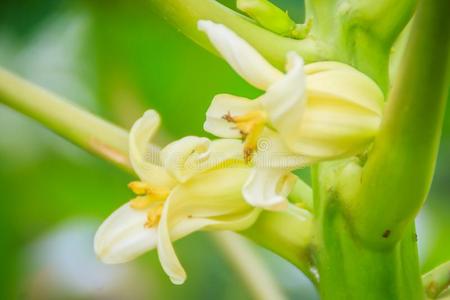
(289,234)
(398,173)
(385,18)
(249,265)
(184,14)
(82,128)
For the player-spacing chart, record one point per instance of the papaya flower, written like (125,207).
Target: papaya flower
(194,184)
(318,112)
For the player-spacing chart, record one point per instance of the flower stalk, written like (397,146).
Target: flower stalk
(80,127)
(184,15)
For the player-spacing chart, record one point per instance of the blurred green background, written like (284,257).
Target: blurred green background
(117,59)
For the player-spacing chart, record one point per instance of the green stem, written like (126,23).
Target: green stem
(385,19)
(289,234)
(302,195)
(437,280)
(184,14)
(75,124)
(247,263)
(398,173)
(362,32)
(348,268)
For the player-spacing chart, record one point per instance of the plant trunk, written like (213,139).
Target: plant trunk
(352,269)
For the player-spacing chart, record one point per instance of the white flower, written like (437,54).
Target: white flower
(196,186)
(321,111)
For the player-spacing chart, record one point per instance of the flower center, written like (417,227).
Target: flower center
(148,197)
(250,126)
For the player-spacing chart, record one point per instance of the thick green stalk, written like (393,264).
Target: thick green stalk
(361,32)
(184,14)
(348,268)
(289,234)
(398,173)
(384,18)
(82,128)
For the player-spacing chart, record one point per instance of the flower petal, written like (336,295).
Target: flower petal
(268,188)
(342,115)
(192,155)
(123,237)
(143,160)
(273,153)
(182,157)
(211,200)
(285,101)
(333,128)
(349,85)
(322,66)
(242,57)
(222,105)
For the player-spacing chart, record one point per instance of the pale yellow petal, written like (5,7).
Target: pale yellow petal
(285,101)
(331,128)
(222,105)
(268,188)
(143,159)
(183,157)
(242,57)
(273,153)
(347,85)
(210,200)
(123,236)
(342,115)
(322,66)
(191,155)
(166,253)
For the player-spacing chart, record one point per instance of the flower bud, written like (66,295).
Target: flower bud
(342,113)
(267,15)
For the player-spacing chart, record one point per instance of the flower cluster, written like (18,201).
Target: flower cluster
(308,114)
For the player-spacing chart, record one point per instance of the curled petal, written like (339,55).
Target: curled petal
(123,236)
(192,155)
(268,188)
(143,160)
(274,153)
(209,201)
(285,101)
(242,57)
(183,157)
(167,256)
(223,105)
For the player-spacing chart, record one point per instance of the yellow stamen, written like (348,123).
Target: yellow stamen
(154,215)
(140,202)
(150,198)
(250,125)
(139,187)
(143,188)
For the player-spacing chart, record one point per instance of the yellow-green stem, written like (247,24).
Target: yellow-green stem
(82,128)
